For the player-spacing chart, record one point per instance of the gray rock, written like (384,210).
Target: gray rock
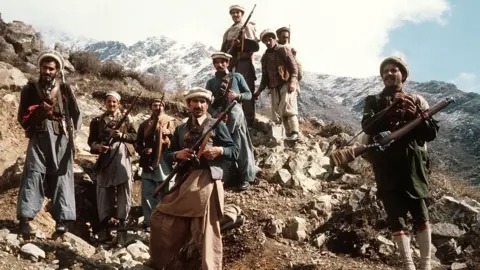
(284,178)
(3,234)
(275,227)
(11,78)
(320,240)
(459,266)
(12,240)
(450,210)
(33,251)
(449,230)
(78,245)
(295,229)
(139,251)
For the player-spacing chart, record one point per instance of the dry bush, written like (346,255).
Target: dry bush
(151,82)
(333,128)
(112,70)
(85,62)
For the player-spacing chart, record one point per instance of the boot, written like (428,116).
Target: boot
(293,128)
(424,240)
(403,243)
(60,227)
(293,137)
(26,229)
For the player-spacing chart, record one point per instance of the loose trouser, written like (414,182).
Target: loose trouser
(148,201)
(35,186)
(114,201)
(285,107)
(170,233)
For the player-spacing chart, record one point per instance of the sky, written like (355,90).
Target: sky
(437,38)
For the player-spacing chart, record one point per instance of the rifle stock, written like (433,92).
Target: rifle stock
(197,144)
(68,120)
(344,156)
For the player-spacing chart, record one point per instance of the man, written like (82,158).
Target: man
(114,171)
(401,171)
(153,140)
(226,87)
(49,157)
(194,208)
(283,35)
(242,51)
(279,75)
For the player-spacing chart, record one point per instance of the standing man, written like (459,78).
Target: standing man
(242,51)
(283,35)
(280,76)
(49,157)
(228,86)
(401,170)
(153,140)
(194,208)
(114,176)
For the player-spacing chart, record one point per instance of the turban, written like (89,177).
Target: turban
(236,7)
(113,94)
(221,55)
(267,32)
(51,54)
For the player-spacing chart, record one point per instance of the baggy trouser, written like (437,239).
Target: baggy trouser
(60,188)
(170,233)
(114,201)
(285,108)
(148,201)
(246,160)
(245,67)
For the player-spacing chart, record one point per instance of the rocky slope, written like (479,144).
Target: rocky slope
(327,97)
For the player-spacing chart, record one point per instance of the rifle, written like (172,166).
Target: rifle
(386,138)
(108,141)
(65,92)
(241,38)
(197,144)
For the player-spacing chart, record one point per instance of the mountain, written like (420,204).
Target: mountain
(328,97)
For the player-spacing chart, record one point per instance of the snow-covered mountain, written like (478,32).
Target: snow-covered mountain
(328,97)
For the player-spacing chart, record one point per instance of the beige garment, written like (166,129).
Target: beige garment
(193,210)
(114,201)
(234,30)
(285,107)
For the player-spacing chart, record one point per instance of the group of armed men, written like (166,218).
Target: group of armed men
(195,208)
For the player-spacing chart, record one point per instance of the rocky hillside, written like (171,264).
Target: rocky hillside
(327,97)
(302,213)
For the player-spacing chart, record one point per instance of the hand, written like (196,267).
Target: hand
(184,154)
(235,43)
(231,96)
(147,151)
(212,153)
(47,107)
(292,86)
(256,94)
(166,131)
(115,133)
(100,148)
(409,106)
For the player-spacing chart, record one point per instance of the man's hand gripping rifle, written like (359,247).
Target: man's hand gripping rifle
(384,139)
(197,144)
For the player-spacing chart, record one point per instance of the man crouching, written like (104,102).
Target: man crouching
(194,208)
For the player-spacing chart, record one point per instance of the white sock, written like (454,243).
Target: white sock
(424,239)
(403,243)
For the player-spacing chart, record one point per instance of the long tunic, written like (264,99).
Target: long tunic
(403,166)
(237,126)
(48,159)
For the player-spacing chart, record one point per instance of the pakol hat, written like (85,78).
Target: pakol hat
(236,7)
(267,32)
(113,94)
(51,54)
(397,61)
(282,29)
(198,92)
(221,55)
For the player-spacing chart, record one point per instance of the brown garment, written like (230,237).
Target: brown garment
(282,64)
(193,210)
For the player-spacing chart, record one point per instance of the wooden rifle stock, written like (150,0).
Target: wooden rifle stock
(346,155)
(197,144)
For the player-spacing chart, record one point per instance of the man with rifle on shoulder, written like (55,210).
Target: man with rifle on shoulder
(114,168)
(402,169)
(48,112)
(194,206)
(153,139)
(241,41)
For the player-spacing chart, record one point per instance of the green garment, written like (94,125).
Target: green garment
(403,166)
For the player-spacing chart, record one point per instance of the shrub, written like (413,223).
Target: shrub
(112,70)
(85,62)
(151,82)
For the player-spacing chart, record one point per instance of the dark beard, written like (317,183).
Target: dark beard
(220,73)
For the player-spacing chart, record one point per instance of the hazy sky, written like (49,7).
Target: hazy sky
(339,37)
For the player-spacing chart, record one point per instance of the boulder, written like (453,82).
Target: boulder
(11,78)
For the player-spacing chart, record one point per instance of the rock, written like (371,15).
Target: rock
(277,133)
(284,178)
(33,251)
(3,234)
(348,178)
(320,240)
(295,229)
(384,246)
(24,39)
(448,251)
(303,182)
(355,199)
(316,171)
(459,266)
(322,205)
(262,123)
(449,210)
(12,240)
(449,230)
(139,251)
(78,245)
(275,227)
(122,255)
(103,256)
(11,78)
